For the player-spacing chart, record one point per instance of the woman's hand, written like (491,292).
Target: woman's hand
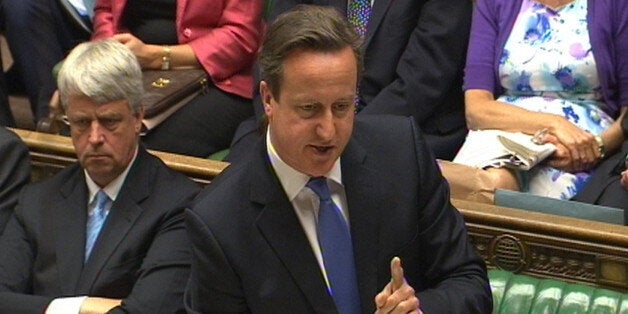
(563,159)
(149,56)
(577,149)
(624,179)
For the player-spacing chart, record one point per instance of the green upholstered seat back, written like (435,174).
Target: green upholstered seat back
(514,294)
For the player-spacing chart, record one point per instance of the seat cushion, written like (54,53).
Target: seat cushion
(513,293)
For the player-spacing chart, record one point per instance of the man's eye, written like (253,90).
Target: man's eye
(343,106)
(308,107)
(80,123)
(109,122)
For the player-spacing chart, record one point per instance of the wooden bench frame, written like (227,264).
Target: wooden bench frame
(549,246)
(536,244)
(50,153)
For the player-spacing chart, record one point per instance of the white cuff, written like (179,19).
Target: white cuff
(69,305)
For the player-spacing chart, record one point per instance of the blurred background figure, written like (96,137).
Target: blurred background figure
(550,65)
(40,33)
(15,172)
(609,184)
(222,37)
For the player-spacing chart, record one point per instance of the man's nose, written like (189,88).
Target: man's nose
(326,128)
(95,132)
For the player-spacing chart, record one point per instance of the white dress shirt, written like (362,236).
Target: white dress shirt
(304,201)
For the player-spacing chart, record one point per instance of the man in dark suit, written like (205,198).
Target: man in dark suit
(608,186)
(261,232)
(414,55)
(105,234)
(6,116)
(15,172)
(40,33)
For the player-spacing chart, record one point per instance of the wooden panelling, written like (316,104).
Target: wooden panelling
(50,153)
(549,246)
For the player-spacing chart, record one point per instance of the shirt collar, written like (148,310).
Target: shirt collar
(292,180)
(113,188)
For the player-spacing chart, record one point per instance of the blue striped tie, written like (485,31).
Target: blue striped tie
(95,221)
(334,238)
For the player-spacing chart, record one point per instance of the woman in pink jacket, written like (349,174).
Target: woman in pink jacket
(220,36)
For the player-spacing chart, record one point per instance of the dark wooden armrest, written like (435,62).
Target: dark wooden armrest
(50,152)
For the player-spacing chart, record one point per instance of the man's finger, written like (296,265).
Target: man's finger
(396,272)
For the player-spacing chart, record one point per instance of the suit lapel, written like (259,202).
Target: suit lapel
(122,216)
(365,215)
(281,228)
(377,15)
(69,219)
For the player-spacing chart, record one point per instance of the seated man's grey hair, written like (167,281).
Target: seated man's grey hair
(104,71)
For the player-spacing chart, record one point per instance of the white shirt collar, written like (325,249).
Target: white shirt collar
(113,188)
(292,180)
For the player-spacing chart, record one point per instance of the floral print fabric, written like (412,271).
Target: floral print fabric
(548,66)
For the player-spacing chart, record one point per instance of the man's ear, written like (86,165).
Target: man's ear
(139,114)
(266,96)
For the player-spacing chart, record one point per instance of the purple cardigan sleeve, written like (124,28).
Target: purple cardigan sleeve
(609,38)
(481,55)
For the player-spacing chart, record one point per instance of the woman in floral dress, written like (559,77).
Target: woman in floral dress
(554,65)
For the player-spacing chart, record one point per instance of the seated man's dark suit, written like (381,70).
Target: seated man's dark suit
(15,172)
(142,254)
(39,33)
(252,255)
(414,54)
(604,187)
(6,116)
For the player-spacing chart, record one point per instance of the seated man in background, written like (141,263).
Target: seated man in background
(40,33)
(6,116)
(269,237)
(609,184)
(222,37)
(15,172)
(107,233)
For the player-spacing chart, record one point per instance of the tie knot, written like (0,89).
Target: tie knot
(320,187)
(101,200)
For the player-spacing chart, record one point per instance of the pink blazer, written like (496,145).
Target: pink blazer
(224,34)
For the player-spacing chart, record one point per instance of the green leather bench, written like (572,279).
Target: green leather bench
(514,294)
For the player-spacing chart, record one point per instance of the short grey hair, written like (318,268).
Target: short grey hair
(105,71)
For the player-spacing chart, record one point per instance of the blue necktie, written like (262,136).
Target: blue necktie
(334,238)
(95,221)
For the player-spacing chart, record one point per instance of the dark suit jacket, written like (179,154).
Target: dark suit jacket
(15,172)
(414,58)
(604,187)
(142,253)
(251,254)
